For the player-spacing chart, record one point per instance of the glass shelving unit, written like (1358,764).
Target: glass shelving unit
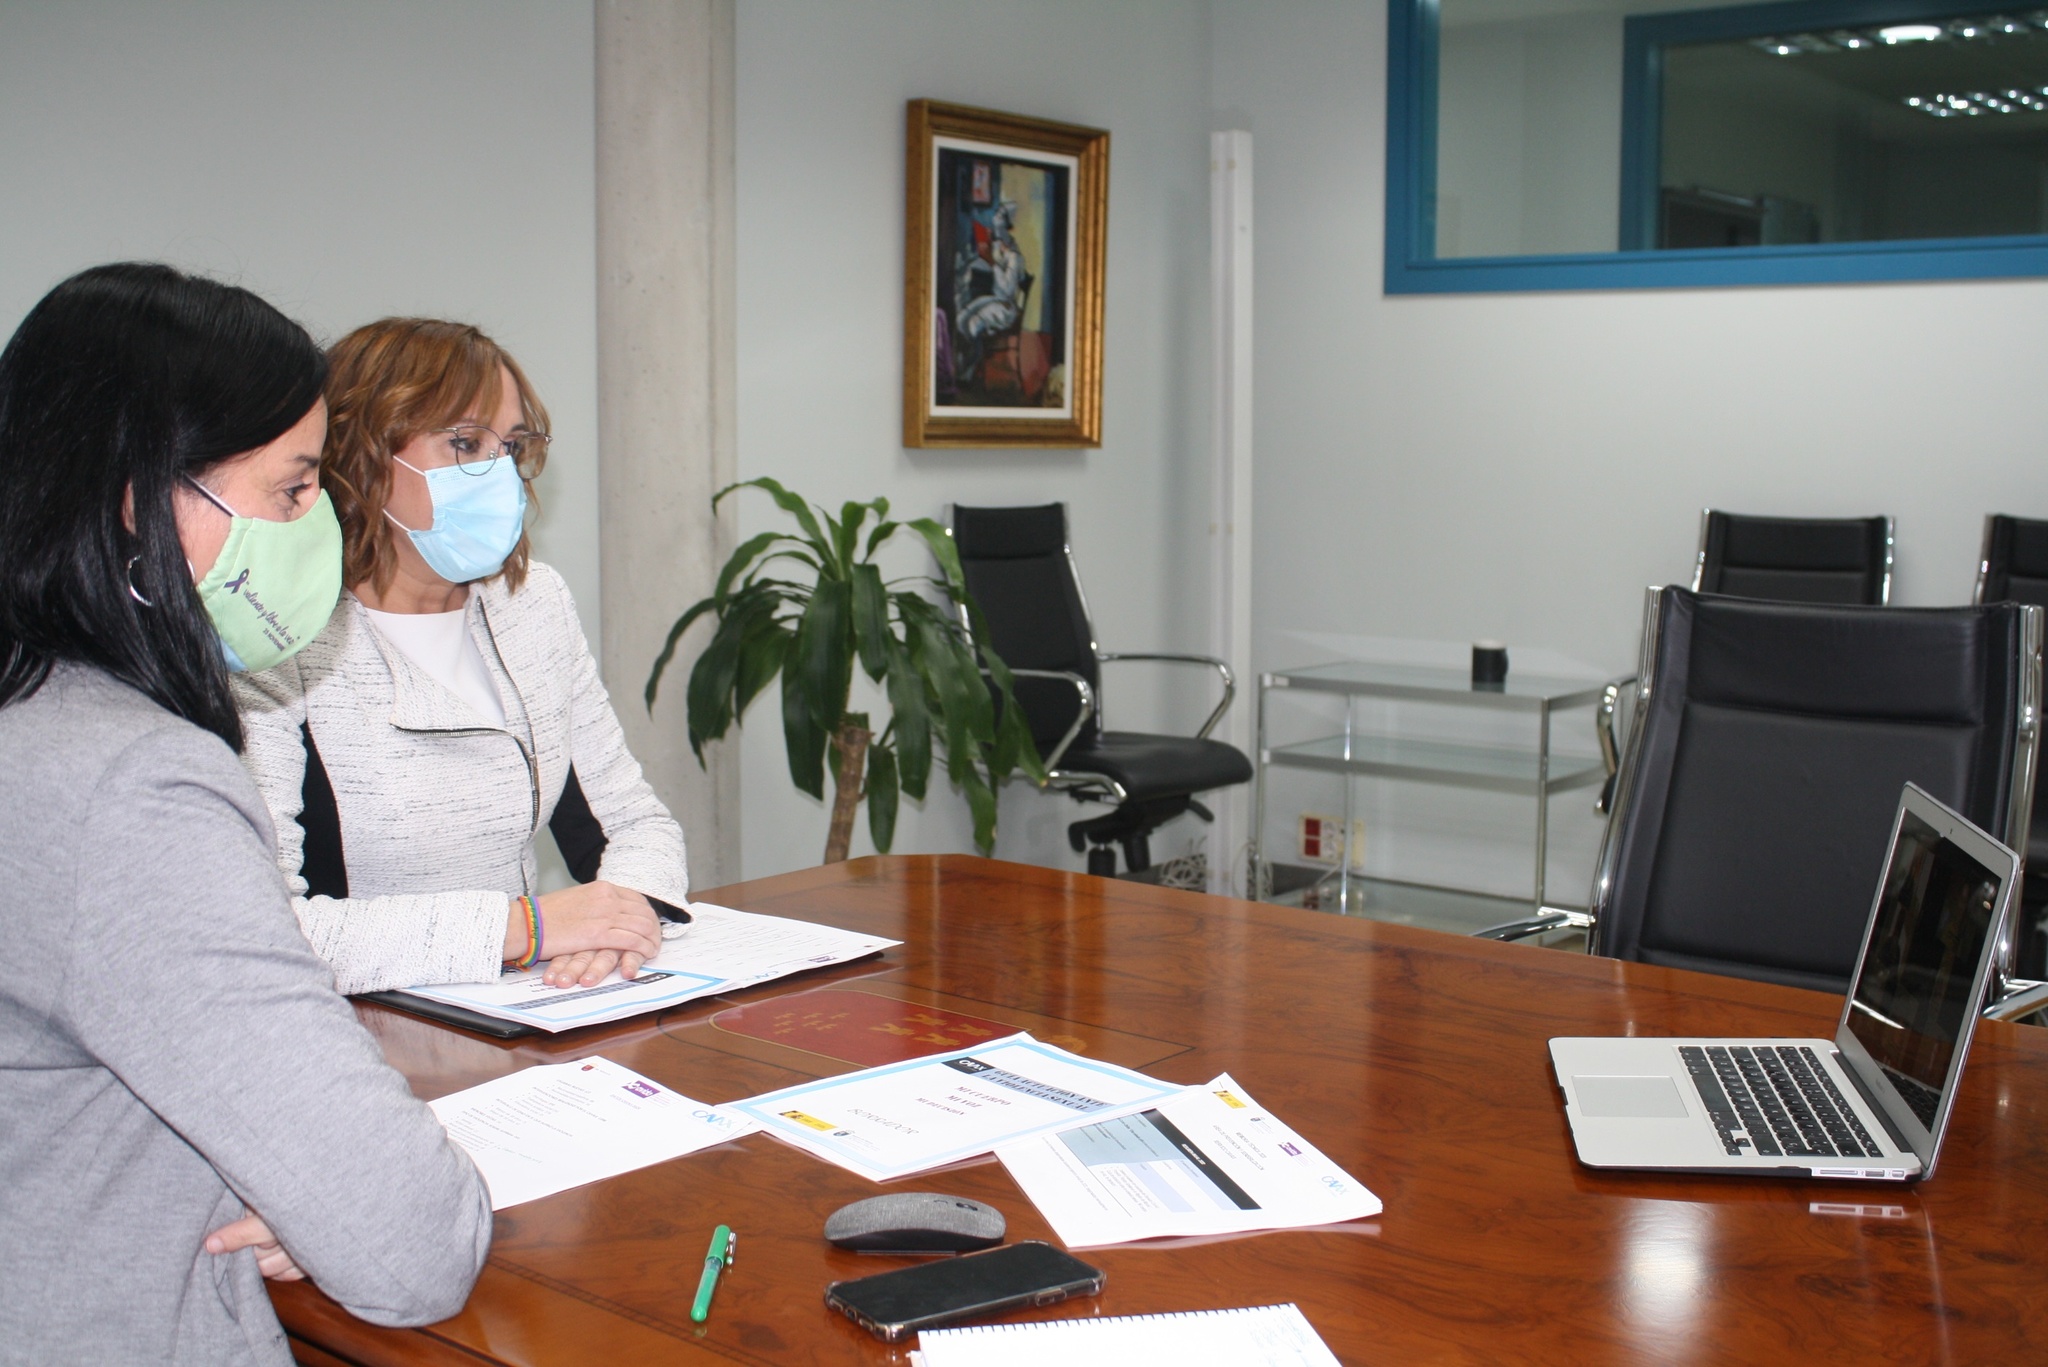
(1530,768)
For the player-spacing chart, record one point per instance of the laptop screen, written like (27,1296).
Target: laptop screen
(1915,991)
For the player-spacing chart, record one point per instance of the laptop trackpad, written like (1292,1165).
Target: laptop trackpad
(1646,1098)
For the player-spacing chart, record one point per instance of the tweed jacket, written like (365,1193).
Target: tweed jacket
(439,808)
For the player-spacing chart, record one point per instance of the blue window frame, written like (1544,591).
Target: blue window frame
(1412,266)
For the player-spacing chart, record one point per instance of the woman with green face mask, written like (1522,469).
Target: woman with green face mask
(179,1050)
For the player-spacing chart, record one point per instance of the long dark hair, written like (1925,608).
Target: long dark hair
(125,377)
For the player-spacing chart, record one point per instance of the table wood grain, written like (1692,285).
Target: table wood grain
(1415,1059)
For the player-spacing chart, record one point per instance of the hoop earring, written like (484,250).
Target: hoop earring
(134,592)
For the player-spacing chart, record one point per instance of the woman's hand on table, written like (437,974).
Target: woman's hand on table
(590,967)
(250,1232)
(587,931)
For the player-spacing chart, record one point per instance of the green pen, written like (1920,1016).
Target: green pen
(716,1259)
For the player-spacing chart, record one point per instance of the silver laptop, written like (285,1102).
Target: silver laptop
(1870,1103)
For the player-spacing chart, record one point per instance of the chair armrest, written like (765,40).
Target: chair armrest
(1229,680)
(1082,689)
(1610,750)
(2020,998)
(1545,919)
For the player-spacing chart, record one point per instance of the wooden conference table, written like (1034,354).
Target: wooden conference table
(1414,1059)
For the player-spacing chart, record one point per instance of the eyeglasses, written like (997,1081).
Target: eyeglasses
(476,449)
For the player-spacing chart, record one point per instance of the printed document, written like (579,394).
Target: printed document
(555,1126)
(1208,1160)
(1257,1336)
(720,950)
(927,1112)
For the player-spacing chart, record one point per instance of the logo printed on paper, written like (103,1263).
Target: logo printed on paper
(800,1118)
(642,1088)
(1289,1149)
(1232,1102)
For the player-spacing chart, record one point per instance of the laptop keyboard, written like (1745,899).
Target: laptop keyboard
(1777,1100)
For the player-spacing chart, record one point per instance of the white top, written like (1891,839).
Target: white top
(438,811)
(440,643)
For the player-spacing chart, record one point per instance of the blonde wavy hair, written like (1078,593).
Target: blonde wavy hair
(388,382)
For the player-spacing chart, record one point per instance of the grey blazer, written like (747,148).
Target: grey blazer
(172,1054)
(437,808)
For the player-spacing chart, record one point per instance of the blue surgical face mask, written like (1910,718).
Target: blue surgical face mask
(478,519)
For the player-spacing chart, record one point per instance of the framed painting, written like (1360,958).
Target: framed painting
(1002,279)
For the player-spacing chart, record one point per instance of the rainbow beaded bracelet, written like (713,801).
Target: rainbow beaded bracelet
(533,935)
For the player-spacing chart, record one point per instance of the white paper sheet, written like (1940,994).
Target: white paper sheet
(1261,1336)
(927,1112)
(721,950)
(1209,1160)
(555,1126)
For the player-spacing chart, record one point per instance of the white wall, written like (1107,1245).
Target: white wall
(345,161)
(1441,468)
(821,91)
(1520,466)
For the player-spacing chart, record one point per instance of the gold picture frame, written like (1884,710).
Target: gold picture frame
(1005,224)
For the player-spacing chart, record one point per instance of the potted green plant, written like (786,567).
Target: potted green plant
(811,607)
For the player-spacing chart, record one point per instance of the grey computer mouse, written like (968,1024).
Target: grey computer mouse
(915,1222)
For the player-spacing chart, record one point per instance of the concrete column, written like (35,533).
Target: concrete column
(665,366)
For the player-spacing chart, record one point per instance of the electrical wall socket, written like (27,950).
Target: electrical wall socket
(1320,840)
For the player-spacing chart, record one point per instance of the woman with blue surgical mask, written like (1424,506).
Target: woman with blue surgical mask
(412,754)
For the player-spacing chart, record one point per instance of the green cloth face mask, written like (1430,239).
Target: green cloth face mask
(274,585)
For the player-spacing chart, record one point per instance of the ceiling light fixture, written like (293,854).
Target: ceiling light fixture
(1979,102)
(1992,28)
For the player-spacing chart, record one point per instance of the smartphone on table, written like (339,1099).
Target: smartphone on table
(895,1305)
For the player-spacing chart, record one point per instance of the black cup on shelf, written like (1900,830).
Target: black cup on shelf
(1489,665)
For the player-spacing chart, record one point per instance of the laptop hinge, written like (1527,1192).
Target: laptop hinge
(1875,1107)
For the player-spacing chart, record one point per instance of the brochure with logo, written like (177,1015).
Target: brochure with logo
(720,950)
(555,1126)
(1208,1160)
(927,1112)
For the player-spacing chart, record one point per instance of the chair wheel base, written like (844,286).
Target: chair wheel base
(1129,825)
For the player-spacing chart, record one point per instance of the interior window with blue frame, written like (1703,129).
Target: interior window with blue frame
(1557,144)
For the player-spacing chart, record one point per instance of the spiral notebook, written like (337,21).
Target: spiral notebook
(1258,1336)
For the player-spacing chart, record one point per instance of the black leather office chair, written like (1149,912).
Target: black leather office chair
(1759,781)
(2014,569)
(1022,575)
(1795,559)
(2014,566)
